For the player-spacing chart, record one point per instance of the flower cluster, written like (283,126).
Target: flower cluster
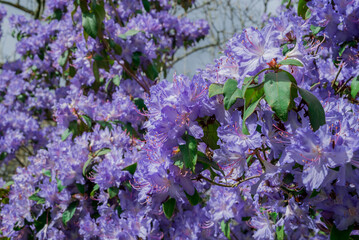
(262,144)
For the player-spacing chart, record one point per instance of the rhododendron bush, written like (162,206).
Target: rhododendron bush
(263,144)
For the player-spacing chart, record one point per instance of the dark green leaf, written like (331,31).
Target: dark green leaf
(100,12)
(88,120)
(292,62)
(41,221)
(131,168)
(314,193)
(278,93)
(203,159)
(194,199)
(113,191)
(151,72)
(315,109)
(189,152)
(302,8)
(225,227)
(140,104)
(89,24)
(345,45)
(215,89)
(69,212)
(146,5)
(37,199)
(3,155)
(96,72)
(169,207)
(355,86)
(336,234)
(81,188)
(210,134)
(230,93)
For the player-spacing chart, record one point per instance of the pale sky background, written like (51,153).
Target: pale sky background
(191,63)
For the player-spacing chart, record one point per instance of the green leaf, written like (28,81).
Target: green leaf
(129,33)
(194,199)
(151,72)
(215,89)
(203,159)
(3,155)
(89,24)
(96,72)
(225,227)
(60,187)
(189,152)
(36,198)
(81,188)
(63,58)
(140,104)
(113,191)
(47,173)
(292,62)
(230,93)
(169,207)
(116,80)
(302,8)
(336,234)
(72,129)
(354,87)
(87,163)
(41,221)
(102,151)
(100,12)
(280,232)
(88,120)
(315,109)
(131,168)
(278,93)
(95,188)
(210,136)
(315,30)
(247,112)
(69,212)
(146,5)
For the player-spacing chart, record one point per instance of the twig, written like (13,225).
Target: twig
(18,6)
(336,77)
(344,84)
(21,163)
(225,185)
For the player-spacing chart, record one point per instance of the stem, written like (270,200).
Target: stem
(342,86)
(336,77)
(18,6)
(266,69)
(231,186)
(21,163)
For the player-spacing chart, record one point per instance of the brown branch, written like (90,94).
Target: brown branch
(18,6)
